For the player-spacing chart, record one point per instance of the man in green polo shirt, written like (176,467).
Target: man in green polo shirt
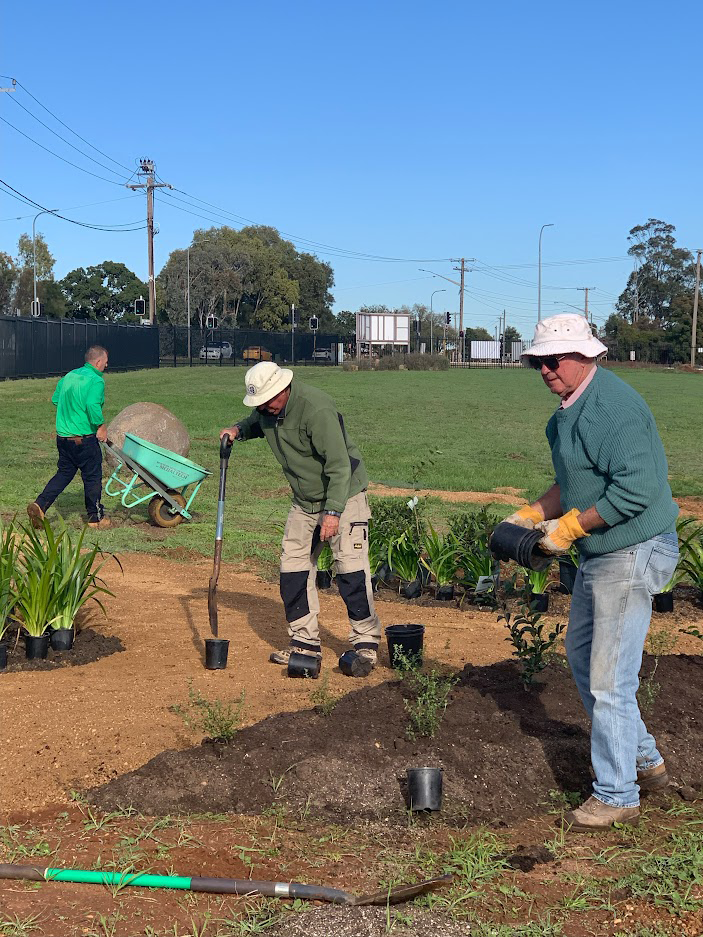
(612,499)
(327,476)
(80,428)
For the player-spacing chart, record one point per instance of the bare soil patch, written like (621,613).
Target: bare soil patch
(498,496)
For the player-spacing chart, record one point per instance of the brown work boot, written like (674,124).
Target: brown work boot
(102,524)
(593,816)
(36,515)
(653,779)
(282,657)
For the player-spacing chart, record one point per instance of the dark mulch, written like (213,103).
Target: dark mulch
(88,646)
(503,750)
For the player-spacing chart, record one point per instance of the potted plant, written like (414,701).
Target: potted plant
(8,595)
(440,561)
(323,577)
(404,562)
(568,567)
(378,558)
(36,592)
(536,582)
(76,581)
(478,571)
(692,564)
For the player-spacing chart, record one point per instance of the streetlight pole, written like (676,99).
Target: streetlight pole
(188,284)
(45,211)
(431,315)
(539,272)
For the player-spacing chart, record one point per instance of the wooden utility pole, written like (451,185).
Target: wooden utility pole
(585,290)
(462,261)
(694,323)
(146,171)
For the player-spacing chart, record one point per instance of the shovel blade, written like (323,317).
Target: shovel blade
(212,606)
(405,892)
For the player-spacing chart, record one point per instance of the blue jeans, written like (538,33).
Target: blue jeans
(611,608)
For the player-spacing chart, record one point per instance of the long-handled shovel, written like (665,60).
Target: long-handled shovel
(215,648)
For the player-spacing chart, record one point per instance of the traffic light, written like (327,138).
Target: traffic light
(293,316)
(36,308)
(449,318)
(314,323)
(140,307)
(418,326)
(461,334)
(211,322)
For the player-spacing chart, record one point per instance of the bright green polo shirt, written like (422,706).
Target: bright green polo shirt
(79,399)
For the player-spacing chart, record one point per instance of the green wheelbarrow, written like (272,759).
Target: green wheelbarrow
(166,475)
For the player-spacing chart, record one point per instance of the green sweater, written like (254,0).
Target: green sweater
(79,399)
(607,452)
(323,466)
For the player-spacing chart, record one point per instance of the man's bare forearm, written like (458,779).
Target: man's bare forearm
(549,504)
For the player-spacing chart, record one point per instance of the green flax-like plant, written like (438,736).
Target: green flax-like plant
(440,556)
(8,574)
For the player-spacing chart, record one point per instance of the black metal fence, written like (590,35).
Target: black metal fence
(183,347)
(46,347)
(663,353)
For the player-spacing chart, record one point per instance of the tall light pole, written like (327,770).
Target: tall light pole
(431,314)
(188,283)
(45,211)
(539,272)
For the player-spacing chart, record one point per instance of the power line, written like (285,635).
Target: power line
(106,201)
(63,124)
(67,142)
(113,229)
(62,158)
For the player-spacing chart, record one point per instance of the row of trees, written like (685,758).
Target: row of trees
(655,310)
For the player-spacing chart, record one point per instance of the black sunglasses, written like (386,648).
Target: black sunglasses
(551,362)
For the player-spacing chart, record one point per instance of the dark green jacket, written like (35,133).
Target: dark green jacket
(323,466)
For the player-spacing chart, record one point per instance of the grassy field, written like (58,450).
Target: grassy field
(458,430)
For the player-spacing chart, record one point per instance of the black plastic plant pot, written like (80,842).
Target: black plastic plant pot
(406,641)
(567,576)
(445,593)
(324,579)
(3,656)
(411,590)
(539,601)
(37,648)
(304,665)
(424,575)
(352,665)
(424,789)
(61,639)
(510,542)
(383,573)
(216,650)
(664,602)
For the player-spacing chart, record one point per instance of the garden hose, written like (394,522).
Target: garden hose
(222,886)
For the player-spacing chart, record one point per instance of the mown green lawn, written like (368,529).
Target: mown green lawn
(456,430)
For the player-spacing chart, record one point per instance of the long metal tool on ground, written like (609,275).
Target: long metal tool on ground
(225,452)
(224,886)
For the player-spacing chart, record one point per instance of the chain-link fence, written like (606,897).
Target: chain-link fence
(183,347)
(47,347)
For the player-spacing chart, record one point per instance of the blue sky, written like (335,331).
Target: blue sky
(402,130)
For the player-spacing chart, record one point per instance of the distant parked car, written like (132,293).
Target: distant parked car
(213,351)
(257,353)
(322,354)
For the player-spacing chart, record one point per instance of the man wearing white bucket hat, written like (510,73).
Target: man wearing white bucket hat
(328,479)
(612,499)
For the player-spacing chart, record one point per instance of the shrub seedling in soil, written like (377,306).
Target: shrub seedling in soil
(321,697)
(216,719)
(530,644)
(657,644)
(430,696)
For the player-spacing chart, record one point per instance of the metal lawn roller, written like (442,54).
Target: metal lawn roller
(166,476)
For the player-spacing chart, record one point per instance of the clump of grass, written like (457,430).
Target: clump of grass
(216,719)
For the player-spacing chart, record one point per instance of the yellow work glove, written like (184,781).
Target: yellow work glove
(526,517)
(558,535)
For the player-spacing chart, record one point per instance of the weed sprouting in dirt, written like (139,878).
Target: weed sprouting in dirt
(658,643)
(430,696)
(215,719)
(322,698)
(531,646)
(17,926)
(20,842)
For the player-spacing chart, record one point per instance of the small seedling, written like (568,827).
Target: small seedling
(431,696)
(530,644)
(321,697)
(216,719)
(657,644)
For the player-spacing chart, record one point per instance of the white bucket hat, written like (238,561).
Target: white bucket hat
(559,335)
(264,381)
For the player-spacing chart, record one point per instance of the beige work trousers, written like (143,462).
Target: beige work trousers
(350,548)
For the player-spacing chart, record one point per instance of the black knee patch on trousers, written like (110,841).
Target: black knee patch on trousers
(294,592)
(352,588)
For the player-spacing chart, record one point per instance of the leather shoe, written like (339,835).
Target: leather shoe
(594,815)
(653,779)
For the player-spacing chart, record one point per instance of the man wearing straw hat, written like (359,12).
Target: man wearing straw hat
(328,479)
(612,499)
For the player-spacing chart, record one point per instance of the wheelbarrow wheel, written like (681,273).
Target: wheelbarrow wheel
(160,510)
